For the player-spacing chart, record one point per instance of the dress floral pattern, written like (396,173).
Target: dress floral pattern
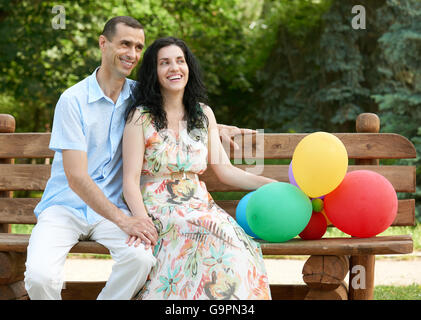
(202,253)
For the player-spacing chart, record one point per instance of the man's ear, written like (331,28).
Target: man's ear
(101,41)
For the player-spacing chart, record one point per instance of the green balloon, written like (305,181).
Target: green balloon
(278,211)
(317,205)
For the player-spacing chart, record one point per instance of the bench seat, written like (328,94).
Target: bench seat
(400,244)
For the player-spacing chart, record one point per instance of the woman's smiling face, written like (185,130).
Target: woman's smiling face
(172,69)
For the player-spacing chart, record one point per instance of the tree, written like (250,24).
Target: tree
(40,62)
(398,91)
(322,73)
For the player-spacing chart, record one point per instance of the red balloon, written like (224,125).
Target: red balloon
(363,205)
(315,228)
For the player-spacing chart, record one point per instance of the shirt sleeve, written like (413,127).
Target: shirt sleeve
(67,132)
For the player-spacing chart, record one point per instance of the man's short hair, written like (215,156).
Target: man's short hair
(110,25)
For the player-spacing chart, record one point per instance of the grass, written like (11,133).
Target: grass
(22,228)
(411,292)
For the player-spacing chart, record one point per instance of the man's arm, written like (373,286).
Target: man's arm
(226,133)
(75,165)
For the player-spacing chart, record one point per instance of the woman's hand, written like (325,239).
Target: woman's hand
(145,232)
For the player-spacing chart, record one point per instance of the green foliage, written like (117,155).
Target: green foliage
(322,73)
(398,91)
(40,62)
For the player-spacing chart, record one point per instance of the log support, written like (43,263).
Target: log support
(12,268)
(324,276)
(13,291)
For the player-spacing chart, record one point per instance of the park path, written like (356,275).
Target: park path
(388,271)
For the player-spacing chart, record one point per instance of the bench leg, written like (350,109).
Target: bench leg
(361,277)
(12,268)
(324,276)
(13,291)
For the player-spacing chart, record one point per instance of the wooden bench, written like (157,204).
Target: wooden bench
(330,259)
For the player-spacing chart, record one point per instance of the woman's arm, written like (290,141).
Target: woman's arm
(133,152)
(221,165)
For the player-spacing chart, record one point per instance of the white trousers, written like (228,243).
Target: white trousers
(57,231)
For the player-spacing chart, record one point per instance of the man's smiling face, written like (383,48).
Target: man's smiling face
(122,53)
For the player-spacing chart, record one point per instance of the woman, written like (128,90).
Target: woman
(202,253)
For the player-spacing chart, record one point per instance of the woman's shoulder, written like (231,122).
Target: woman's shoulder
(143,111)
(205,108)
(139,113)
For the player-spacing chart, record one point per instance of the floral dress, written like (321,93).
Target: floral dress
(202,253)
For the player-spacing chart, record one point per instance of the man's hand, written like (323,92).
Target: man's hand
(227,133)
(140,229)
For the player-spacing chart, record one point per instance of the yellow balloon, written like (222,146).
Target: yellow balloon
(319,163)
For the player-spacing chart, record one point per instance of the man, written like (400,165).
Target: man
(82,199)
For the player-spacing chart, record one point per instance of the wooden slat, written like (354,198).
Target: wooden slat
(401,177)
(31,177)
(406,213)
(35,176)
(275,146)
(404,217)
(401,244)
(77,290)
(18,210)
(25,145)
(21,210)
(358,145)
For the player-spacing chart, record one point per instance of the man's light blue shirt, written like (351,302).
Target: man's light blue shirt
(87,120)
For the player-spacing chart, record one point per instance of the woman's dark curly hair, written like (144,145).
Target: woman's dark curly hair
(147,92)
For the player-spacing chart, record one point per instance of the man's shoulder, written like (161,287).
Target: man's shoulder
(77,90)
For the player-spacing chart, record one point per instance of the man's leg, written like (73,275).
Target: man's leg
(55,233)
(132,265)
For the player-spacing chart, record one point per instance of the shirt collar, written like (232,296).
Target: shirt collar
(95,92)
(126,92)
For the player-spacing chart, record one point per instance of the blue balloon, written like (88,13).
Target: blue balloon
(240,215)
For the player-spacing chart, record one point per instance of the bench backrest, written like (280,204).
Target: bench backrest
(364,149)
